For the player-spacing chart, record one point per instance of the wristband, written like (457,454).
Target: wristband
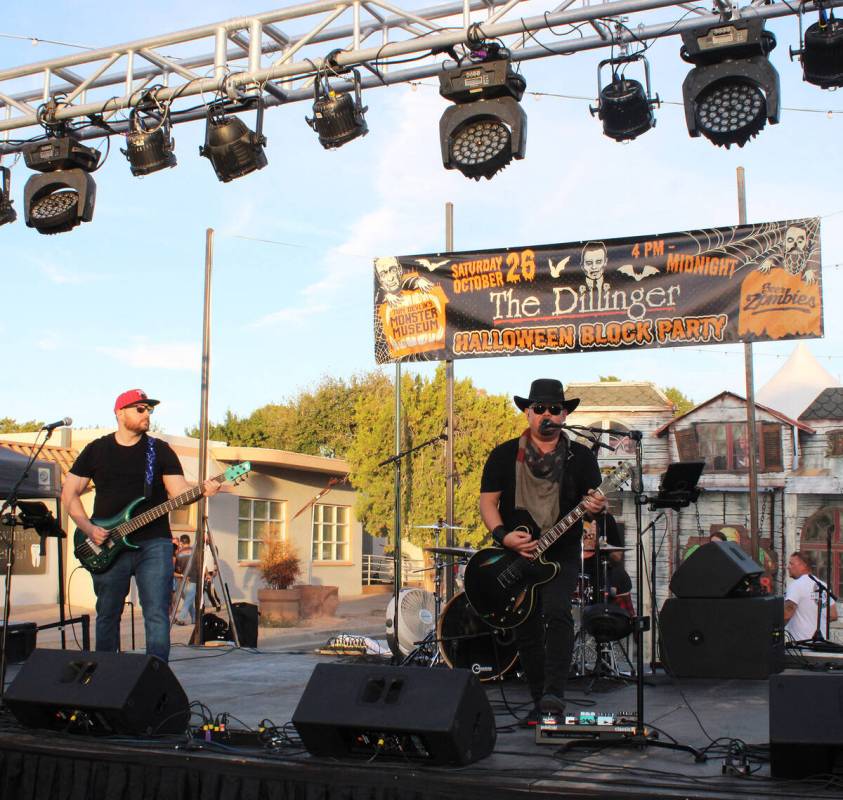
(498,533)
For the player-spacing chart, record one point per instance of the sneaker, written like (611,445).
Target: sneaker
(551,704)
(532,718)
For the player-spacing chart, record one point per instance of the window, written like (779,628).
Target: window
(182,518)
(835,443)
(725,446)
(625,446)
(814,541)
(256,520)
(331,532)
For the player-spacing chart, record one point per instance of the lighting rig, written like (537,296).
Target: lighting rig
(7,213)
(63,195)
(733,89)
(149,145)
(625,106)
(486,128)
(821,51)
(337,117)
(230,146)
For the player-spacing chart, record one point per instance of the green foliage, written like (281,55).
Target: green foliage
(681,402)
(609,379)
(9,425)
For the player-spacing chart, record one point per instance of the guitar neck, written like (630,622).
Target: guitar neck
(164,508)
(552,534)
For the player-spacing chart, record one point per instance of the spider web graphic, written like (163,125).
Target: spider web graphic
(752,247)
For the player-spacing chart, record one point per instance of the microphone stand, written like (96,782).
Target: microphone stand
(823,643)
(10,504)
(396,554)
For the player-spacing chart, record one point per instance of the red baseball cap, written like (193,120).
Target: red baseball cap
(131,397)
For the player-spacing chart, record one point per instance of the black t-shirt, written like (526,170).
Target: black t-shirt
(118,474)
(581,473)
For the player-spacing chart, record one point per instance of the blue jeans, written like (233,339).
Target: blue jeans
(152,567)
(188,607)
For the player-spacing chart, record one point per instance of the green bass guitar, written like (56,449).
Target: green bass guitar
(99,558)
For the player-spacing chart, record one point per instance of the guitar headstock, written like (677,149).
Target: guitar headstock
(237,473)
(620,475)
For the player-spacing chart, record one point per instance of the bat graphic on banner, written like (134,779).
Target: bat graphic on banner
(646,271)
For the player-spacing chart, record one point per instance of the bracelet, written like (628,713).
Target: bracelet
(498,533)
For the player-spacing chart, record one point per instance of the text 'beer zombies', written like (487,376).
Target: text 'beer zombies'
(717,285)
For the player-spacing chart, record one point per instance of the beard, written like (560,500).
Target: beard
(794,261)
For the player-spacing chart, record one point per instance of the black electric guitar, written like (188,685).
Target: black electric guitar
(501,584)
(99,558)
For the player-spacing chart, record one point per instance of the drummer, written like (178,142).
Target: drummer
(603,529)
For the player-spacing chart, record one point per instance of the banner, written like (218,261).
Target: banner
(717,286)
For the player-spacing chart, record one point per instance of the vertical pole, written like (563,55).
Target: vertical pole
(396,554)
(752,438)
(201,506)
(449,442)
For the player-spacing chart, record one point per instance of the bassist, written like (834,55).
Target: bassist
(539,477)
(124,466)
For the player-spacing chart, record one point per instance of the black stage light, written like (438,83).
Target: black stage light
(624,106)
(487,127)
(63,195)
(231,147)
(7,213)
(733,91)
(149,146)
(337,118)
(822,52)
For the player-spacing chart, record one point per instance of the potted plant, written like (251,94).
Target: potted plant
(279,567)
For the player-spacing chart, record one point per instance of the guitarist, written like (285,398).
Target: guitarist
(539,478)
(119,465)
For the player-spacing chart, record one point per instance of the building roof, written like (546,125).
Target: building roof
(619,394)
(281,458)
(777,414)
(797,384)
(828,405)
(63,456)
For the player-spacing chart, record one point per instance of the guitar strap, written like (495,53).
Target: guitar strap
(149,473)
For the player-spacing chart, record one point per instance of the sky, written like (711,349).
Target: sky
(117,303)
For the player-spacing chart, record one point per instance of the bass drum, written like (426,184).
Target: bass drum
(467,642)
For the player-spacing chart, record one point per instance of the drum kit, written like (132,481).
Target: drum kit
(434,629)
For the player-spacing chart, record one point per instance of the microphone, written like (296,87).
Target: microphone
(62,423)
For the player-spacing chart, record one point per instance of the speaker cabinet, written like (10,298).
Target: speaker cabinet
(806,723)
(716,569)
(739,637)
(246,618)
(99,693)
(433,715)
(20,641)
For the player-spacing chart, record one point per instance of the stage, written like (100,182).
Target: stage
(254,687)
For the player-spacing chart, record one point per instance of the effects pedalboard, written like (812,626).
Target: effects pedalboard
(585,725)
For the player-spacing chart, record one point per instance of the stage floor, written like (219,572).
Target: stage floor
(251,686)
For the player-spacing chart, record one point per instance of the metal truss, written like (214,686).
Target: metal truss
(275,55)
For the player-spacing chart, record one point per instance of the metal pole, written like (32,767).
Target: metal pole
(201,506)
(752,438)
(449,442)
(396,554)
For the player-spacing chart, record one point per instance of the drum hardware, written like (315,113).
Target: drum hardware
(440,526)
(610,548)
(459,552)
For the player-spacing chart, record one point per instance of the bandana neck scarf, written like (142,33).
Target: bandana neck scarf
(537,479)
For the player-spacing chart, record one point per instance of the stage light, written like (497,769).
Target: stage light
(7,213)
(231,147)
(63,194)
(487,127)
(822,52)
(337,118)
(148,149)
(624,106)
(733,91)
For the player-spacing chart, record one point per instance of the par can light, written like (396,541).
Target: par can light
(148,149)
(822,53)
(337,117)
(7,213)
(231,147)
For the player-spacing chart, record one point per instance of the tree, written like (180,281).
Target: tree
(681,403)
(9,425)
(609,379)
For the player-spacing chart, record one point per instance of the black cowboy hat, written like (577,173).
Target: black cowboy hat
(548,391)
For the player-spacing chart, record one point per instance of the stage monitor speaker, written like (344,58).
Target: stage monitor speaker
(738,637)
(716,569)
(438,716)
(806,724)
(246,618)
(98,693)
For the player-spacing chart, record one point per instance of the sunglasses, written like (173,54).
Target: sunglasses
(539,408)
(143,409)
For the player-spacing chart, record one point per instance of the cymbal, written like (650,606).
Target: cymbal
(451,551)
(442,527)
(610,548)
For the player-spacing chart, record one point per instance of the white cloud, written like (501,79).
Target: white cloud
(179,356)
(67,275)
(290,314)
